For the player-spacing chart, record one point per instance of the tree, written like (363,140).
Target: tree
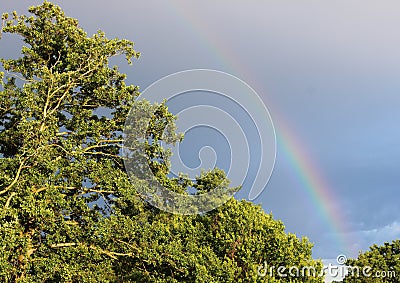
(379,264)
(69,212)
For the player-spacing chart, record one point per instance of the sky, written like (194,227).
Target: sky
(328,72)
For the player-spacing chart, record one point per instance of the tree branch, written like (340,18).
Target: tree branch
(39,190)
(9,200)
(113,255)
(63,245)
(84,190)
(21,166)
(99,145)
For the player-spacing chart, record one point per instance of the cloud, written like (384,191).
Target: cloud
(378,236)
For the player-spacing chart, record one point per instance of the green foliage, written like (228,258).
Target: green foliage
(379,264)
(226,245)
(69,212)
(58,155)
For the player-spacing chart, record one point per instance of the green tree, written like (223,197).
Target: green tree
(379,264)
(69,212)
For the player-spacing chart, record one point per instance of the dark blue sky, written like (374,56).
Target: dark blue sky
(327,71)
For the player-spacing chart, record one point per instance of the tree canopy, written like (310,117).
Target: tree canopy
(70,213)
(379,264)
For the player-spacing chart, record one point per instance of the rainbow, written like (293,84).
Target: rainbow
(308,174)
(314,185)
